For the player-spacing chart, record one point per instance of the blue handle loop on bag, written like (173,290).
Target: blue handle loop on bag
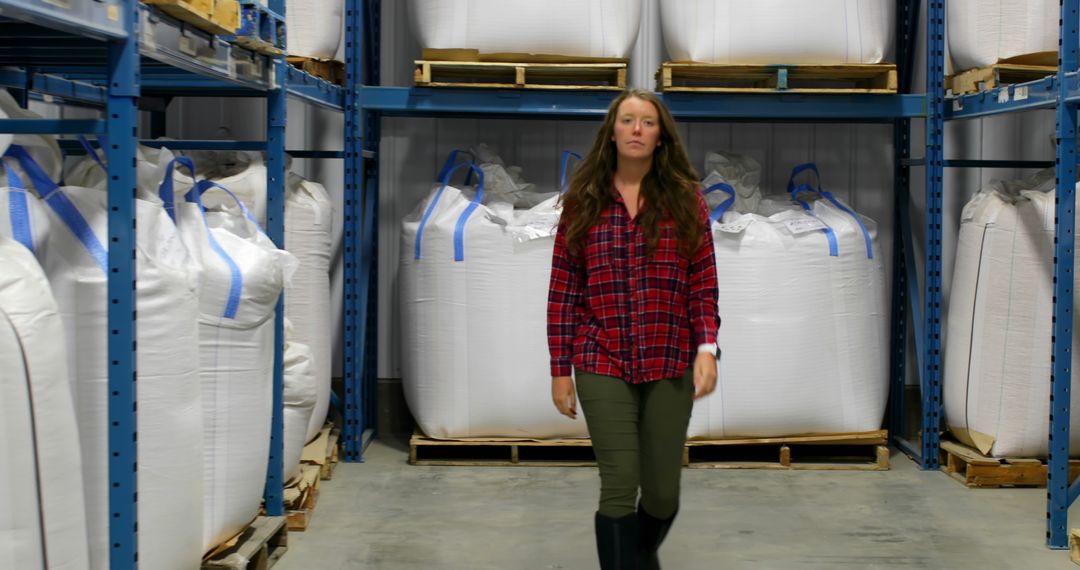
(832,199)
(566,155)
(19,211)
(724,206)
(459,231)
(91,152)
(61,205)
(451,159)
(203,185)
(166,189)
(795,172)
(830,235)
(236,278)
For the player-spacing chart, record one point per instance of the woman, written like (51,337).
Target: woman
(632,312)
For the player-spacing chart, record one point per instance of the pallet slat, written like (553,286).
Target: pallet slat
(851,451)
(302,497)
(214,16)
(328,70)
(732,78)
(987,78)
(976,470)
(258,547)
(567,76)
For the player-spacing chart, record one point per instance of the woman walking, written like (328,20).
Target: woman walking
(632,314)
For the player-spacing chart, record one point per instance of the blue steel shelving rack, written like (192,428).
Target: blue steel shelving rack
(919,307)
(114,54)
(1060,94)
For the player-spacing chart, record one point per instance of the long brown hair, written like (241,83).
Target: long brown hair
(669,190)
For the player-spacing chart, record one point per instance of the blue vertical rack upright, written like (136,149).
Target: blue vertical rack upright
(912,305)
(1061,95)
(114,55)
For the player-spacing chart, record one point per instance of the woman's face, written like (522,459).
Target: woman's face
(637,129)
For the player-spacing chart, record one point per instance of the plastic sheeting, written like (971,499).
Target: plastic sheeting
(474,313)
(583,28)
(313,27)
(779,31)
(804,336)
(170,408)
(42,503)
(983,32)
(998,341)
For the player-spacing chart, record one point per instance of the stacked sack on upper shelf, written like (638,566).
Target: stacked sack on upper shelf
(998,336)
(803,302)
(573,28)
(474,268)
(985,32)
(779,31)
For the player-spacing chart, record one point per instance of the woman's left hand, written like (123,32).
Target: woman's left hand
(704,375)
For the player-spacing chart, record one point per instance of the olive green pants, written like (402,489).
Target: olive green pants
(638,433)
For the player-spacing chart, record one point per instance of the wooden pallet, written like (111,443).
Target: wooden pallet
(258,547)
(725,78)
(323,451)
(987,78)
(974,469)
(571,76)
(326,69)
(301,498)
(260,29)
(866,451)
(499,452)
(857,451)
(1074,545)
(214,16)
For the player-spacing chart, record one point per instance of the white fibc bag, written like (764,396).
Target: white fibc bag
(581,28)
(169,419)
(309,215)
(242,275)
(42,502)
(998,341)
(779,31)
(299,396)
(805,318)
(313,28)
(984,32)
(474,282)
(243,173)
(43,148)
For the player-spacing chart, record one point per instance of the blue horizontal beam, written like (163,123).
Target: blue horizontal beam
(101,19)
(54,86)
(1030,96)
(316,153)
(966,163)
(419,102)
(52,126)
(205,144)
(314,90)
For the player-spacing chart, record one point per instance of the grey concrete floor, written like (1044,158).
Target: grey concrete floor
(388,515)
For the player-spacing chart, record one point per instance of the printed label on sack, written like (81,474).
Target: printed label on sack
(732,227)
(1003,96)
(1021,93)
(804,225)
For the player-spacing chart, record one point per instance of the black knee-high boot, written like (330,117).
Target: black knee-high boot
(617,542)
(651,533)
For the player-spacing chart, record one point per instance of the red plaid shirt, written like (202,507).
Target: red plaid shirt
(616,312)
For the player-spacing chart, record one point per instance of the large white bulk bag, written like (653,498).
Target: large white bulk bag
(309,215)
(243,173)
(805,318)
(998,341)
(44,148)
(984,32)
(779,31)
(299,395)
(313,28)
(584,28)
(474,313)
(42,504)
(241,277)
(169,407)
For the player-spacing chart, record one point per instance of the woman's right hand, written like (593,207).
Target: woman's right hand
(562,393)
